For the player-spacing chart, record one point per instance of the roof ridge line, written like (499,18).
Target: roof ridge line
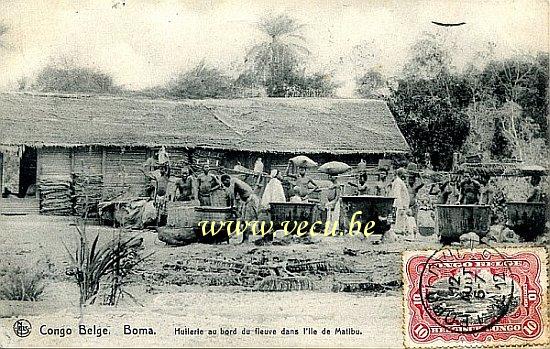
(217,117)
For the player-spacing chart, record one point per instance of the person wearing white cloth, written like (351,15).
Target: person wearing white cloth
(274,191)
(401,201)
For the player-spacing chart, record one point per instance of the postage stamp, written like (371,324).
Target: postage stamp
(480,297)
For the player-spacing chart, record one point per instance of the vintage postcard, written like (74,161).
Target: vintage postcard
(283,173)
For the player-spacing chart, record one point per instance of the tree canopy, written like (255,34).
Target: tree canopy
(496,108)
(202,81)
(278,62)
(74,79)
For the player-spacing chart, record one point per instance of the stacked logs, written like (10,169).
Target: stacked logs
(55,195)
(87,192)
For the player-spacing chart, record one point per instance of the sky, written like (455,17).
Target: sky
(143,43)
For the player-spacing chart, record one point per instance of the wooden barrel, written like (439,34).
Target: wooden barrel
(455,220)
(526,218)
(212,214)
(371,206)
(180,214)
(292,211)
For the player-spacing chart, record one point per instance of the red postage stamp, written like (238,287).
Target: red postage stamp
(480,297)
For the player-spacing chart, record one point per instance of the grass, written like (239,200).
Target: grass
(21,284)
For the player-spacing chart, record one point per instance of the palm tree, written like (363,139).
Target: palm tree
(278,57)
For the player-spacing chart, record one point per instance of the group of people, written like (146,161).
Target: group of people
(414,195)
(200,189)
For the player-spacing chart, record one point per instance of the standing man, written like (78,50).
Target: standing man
(536,194)
(382,188)
(160,181)
(333,201)
(401,201)
(415,184)
(303,182)
(274,191)
(249,206)
(186,186)
(361,185)
(207,183)
(470,190)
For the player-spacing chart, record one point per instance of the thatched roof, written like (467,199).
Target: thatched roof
(503,169)
(305,125)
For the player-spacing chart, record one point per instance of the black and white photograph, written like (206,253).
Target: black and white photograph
(286,173)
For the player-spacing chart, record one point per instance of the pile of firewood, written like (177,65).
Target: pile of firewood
(87,192)
(260,275)
(280,283)
(55,195)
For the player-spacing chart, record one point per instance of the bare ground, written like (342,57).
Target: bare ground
(213,286)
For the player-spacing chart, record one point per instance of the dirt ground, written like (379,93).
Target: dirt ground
(351,284)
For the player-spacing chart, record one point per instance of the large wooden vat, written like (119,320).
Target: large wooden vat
(527,219)
(371,206)
(213,214)
(288,211)
(181,214)
(183,223)
(455,220)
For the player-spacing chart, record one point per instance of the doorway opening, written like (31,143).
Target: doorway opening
(27,174)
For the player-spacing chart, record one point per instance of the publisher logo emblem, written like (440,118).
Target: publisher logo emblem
(22,328)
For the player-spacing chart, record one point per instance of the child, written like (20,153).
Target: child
(295,198)
(411,228)
(361,185)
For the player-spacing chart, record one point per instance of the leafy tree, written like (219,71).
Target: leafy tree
(314,85)
(522,80)
(429,58)
(276,60)
(429,123)
(369,83)
(429,101)
(202,81)
(74,79)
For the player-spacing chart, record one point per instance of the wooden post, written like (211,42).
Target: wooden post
(103,161)
(1,173)
(38,170)
(72,160)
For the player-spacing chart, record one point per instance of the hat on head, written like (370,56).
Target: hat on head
(412,167)
(401,172)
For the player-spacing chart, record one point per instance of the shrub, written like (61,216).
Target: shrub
(21,284)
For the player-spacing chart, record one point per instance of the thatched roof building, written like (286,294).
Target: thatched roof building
(47,138)
(291,125)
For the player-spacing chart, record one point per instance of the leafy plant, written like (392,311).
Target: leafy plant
(21,284)
(94,264)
